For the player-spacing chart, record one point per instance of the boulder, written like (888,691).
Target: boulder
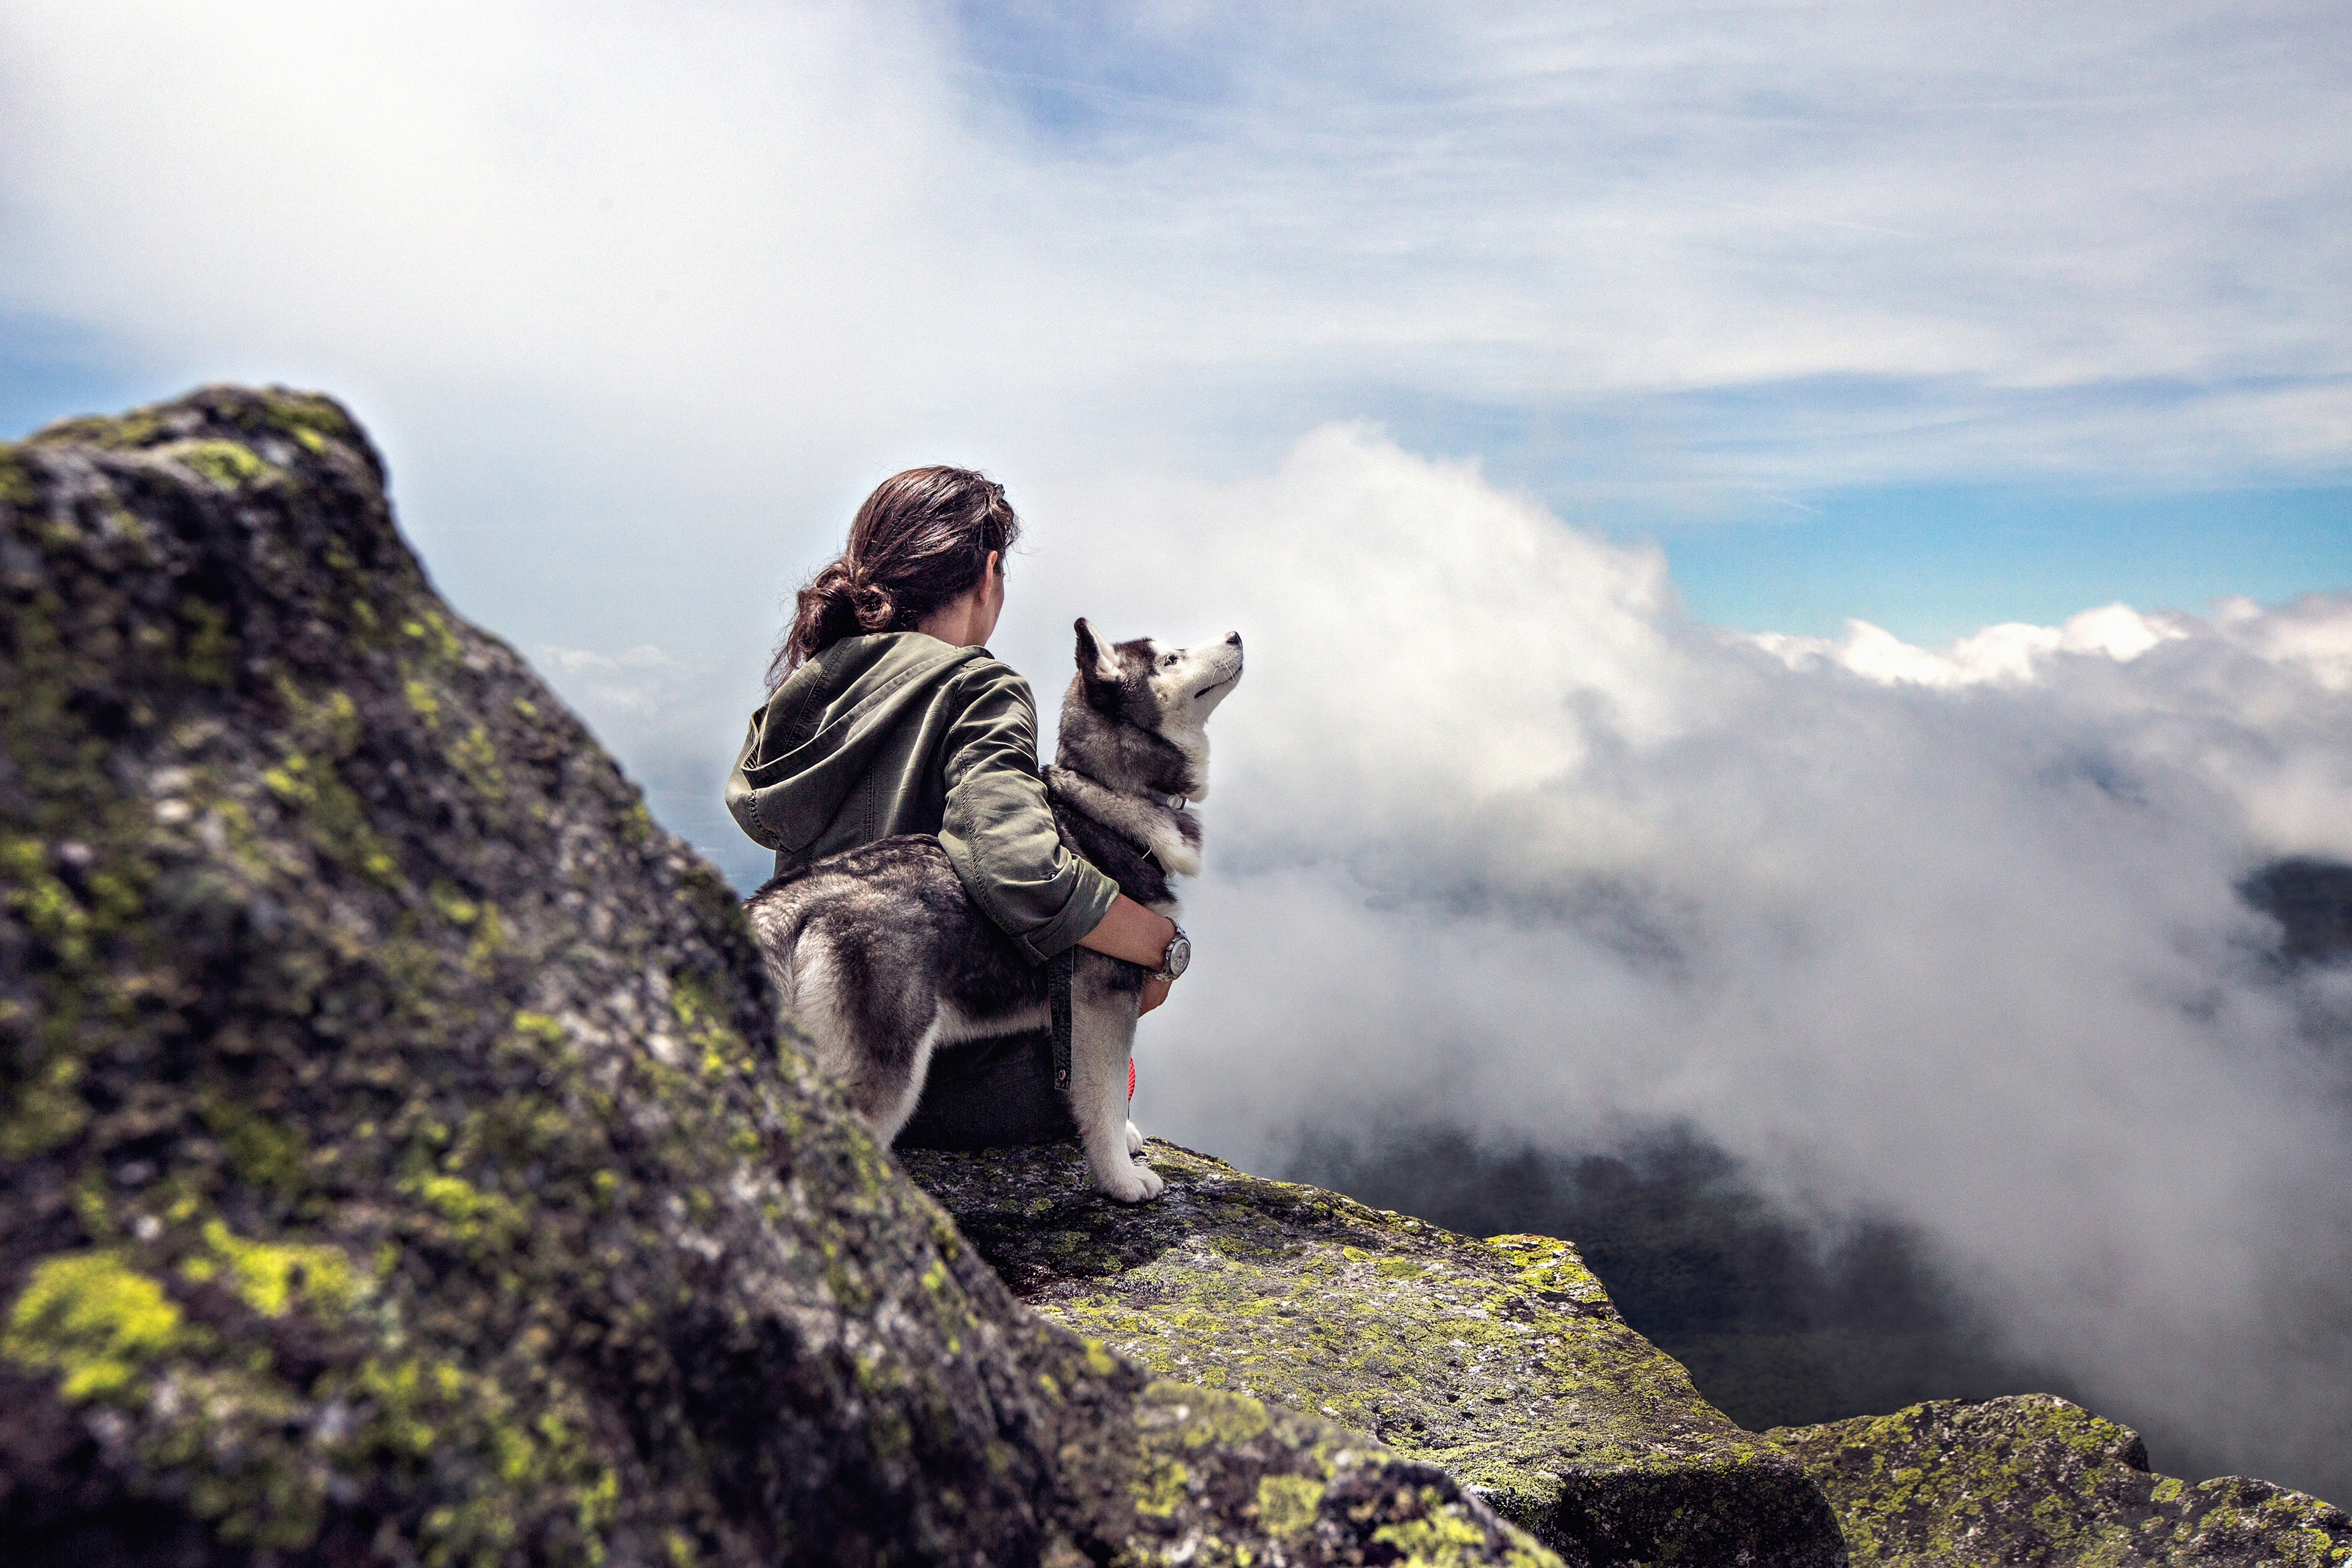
(401,1159)
(2034,1480)
(1501,1361)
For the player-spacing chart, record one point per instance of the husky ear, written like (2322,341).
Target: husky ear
(1096,659)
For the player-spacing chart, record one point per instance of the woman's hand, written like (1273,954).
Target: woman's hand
(1134,933)
(1131,931)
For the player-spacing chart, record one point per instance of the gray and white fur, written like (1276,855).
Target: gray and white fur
(882,958)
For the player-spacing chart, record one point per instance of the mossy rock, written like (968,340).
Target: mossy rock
(400,1157)
(2034,1479)
(1501,1361)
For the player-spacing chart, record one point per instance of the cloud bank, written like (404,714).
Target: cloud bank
(1498,837)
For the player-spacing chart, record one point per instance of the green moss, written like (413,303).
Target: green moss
(1213,1415)
(2032,1479)
(94,1318)
(538,1027)
(418,1410)
(1440,1538)
(44,1110)
(718,1049)
(269,1154)
(473,1215)
(205,650)
(452,905)
(226,464)
(311,420)
(16,484)
(1287,1505)
(270,1277)
(333,817)
(127,432)
(430,630)
(1160,1487)
(477,762)
(43,902)
(423,702)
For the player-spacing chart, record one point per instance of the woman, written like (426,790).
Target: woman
(886,714)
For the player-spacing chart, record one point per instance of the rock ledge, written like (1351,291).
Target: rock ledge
(1501,1361)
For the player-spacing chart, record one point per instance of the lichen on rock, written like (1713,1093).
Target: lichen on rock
(400,1157)
(2034,1480)
(1500,1361)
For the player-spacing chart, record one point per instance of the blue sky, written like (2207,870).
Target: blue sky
(1935,321)
(2000,538)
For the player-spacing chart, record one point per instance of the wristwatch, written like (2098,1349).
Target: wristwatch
(1178,957)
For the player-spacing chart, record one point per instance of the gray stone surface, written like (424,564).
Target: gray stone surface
(1501,1361)
(2035,1479)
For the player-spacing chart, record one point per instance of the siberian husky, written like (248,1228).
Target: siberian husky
(881,957)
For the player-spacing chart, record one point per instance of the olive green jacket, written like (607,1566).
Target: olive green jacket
(900,733)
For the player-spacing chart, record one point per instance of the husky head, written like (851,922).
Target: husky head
(1137,713)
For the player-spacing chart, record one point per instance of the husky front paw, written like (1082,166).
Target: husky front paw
(1134,1141)
(1137,1184)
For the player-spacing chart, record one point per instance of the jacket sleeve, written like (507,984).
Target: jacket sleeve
(998,829)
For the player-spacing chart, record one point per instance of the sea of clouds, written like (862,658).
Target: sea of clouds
(1500,839)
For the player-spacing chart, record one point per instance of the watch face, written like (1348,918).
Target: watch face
(1179,955)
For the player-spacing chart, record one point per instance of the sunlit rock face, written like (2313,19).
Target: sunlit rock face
(400,1157)
(2034,1480)
(1501,1361)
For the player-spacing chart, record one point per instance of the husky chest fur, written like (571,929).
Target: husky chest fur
(882,956)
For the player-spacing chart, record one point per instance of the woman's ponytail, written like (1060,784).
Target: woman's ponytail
(921,541)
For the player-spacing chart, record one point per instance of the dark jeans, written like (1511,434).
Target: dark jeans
(991,1094)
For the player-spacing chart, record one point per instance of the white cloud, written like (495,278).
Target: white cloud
(1497,836)
(761,239)
(2011,651)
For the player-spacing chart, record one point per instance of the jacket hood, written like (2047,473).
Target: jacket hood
(812,742)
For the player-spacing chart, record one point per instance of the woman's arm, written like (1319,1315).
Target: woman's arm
(998,827)
(999,834)
(1134,933)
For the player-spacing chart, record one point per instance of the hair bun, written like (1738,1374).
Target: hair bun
(875,606)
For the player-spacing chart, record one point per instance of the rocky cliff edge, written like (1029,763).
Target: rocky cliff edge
(1502,1361)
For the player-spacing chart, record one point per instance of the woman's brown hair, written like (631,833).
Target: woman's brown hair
(920,541)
